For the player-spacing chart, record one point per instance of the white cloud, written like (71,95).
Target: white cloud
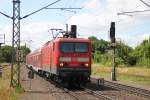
(98,20)
(92,4)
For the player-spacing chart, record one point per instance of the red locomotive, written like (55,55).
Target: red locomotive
(67,58)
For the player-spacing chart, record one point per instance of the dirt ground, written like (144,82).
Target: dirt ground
(40,89)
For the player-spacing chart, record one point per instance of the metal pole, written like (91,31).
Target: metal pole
(0,63)
(15,66)
(113,72)
(0,55)
(1,42)
(114,65)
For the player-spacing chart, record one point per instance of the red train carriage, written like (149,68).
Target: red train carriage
(63,58)
(35,60)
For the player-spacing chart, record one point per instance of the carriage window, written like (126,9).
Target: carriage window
(74,47)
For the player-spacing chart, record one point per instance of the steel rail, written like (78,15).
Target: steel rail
(99,95)
(73,94)
(87,91)
(130,89)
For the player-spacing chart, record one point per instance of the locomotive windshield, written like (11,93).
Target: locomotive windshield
(70,47)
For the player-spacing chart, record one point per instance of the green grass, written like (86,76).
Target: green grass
(135,76)
(19,89)
(138,80)
(6,92)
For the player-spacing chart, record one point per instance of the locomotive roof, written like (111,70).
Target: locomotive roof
(73,39)
(66,40)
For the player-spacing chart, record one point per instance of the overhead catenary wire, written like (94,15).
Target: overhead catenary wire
(140,11)
(145,3)
(5,15)
(66,9)
(130,12)
(40,9)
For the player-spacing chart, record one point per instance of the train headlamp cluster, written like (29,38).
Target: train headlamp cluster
(87,65)
(61,64)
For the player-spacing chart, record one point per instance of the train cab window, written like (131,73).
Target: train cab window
(81,47)
(67,47)
(70,47)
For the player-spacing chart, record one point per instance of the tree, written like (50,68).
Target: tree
(125,54)
(6,53)
(25,52)
(142,52)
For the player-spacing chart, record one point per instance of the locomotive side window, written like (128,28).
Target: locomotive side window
(70,47)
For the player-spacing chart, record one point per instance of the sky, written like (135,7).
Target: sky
(92,20)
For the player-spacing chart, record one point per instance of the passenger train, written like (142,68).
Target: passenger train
(65,58)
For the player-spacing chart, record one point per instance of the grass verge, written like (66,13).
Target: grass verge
(136,75)
(6,92)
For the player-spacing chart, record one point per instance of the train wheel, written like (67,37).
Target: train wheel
(89,79)
(40,72)
(78,85)
(43,74)
(52,77)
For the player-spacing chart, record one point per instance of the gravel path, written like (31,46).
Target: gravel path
(40,89)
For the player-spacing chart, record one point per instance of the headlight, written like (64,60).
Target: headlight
(61,64)
(87,65)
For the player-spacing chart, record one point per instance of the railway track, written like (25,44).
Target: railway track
(98,94)
(89,92)
(83,91)
(129,89)
(78,94)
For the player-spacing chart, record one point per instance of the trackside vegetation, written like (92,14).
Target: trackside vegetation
(130,75)
(6,53)
(125,55)
(6,92)
(133,64)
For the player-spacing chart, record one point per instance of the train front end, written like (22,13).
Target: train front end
(75,60)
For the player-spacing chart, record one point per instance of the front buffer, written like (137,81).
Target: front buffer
(77,75)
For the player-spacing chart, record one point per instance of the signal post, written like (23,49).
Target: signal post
(113,45)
